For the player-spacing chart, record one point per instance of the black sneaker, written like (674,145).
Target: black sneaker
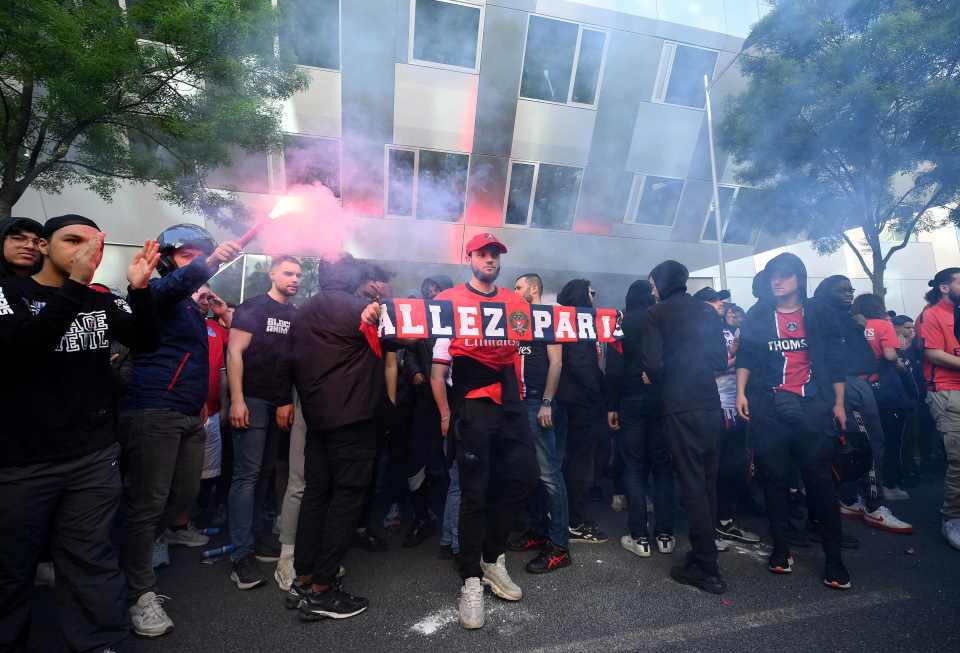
(246,573)
(267,548)
(796,537)
(334,603)
(549,559)
(695,577)
(596,494)
(836,576)
(369,541)
(527,541)
(421,530)
(445,552)
(846,541)
(294,596)
(587,533)
(780,562)
(729,530)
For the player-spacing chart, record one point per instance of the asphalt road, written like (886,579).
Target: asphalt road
(906,597)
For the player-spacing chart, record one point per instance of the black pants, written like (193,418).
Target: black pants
(734,468)
(73,504)
(584,425)
(792,431)
(645,453)
(498,473)
(692,438)
(338,469)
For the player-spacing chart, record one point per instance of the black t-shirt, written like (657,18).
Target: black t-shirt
(269,322)
(535,366)
(858,356)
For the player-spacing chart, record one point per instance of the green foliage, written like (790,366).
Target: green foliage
(161,93)
(851,118)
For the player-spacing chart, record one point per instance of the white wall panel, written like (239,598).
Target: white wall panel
(315,111)
(664,137)
(552,133)
(434,108)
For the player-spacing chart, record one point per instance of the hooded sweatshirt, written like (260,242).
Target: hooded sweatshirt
(421,360)
(581,380)
(625,374)
(682,344)
(57,397)
(857,355)
(6,227)
(767,341)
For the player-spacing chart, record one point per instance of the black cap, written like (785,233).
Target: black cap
(708,294)
(61,221)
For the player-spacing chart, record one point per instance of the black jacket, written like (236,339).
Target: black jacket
(581,381)
(338,377)
(624,373)
(682,348)
(57,396)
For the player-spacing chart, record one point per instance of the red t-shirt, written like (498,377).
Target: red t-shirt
(217,338)
(936,329)
(796,357)
(497,354)
(880,334)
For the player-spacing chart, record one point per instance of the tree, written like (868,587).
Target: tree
(851,118)
(161,93)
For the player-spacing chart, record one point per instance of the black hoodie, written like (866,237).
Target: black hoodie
(23,224)
(624,373)
(682,344)
(581,380)
(858,356)
(760,345)
(421,359)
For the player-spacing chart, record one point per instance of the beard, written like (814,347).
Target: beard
(954,297)
(486,277)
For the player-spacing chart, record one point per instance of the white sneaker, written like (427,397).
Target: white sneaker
(148,616)
(392,519)
(885,520)
(639,547)
(188,536)
(895,494)
(495,577)
(284,574)
(161,553)
(471,604)
(619,503)
(854,510)
(666,544)
(722,545)
(46,576)
(951,531)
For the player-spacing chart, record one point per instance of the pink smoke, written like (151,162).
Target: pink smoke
(306,221)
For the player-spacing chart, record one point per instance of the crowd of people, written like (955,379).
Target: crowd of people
(147,420)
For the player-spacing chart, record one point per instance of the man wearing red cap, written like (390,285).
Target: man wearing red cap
(483,415)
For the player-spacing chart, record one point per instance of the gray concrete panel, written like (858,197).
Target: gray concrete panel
(501,60)
(630,71)
(664,138)
(368,32)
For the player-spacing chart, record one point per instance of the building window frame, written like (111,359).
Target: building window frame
(411,59)
(573,67)
(283,158)
(275,5)
(668,56)
(533,195)
(712,238)
(636,194)
(416,183)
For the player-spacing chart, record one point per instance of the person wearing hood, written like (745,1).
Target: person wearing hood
(20,247)
(682,347)
(581,394)
(339,381)
(633,413)
(836,293)
(790,387)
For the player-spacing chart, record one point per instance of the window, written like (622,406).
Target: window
(309,160)
(727,194)
(445,33)
(248,172)
(554,191)
(311,30)
(680,79)
(657,199)
(426,184)
(737,227)
(562,62)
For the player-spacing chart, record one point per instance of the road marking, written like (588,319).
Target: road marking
(657,637)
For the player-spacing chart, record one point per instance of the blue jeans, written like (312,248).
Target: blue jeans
(450,536)
(550,510)
(254,451)
(644,451)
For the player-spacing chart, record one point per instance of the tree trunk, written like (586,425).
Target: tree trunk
(879,270)
(6,208)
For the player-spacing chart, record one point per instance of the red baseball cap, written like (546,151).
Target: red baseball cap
(485,240)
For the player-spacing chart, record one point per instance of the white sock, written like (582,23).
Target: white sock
(286,551)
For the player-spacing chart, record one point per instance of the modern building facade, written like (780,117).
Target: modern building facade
(575,130)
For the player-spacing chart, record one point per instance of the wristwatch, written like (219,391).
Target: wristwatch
(546,403)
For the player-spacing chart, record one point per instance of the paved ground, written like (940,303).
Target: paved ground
(905,598)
